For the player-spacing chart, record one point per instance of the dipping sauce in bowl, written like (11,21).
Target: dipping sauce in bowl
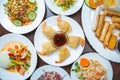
(59,39)
(118,46)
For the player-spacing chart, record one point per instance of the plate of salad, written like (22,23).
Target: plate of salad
(21,16)
(64,7)
(91,66)
(18,58)
(49,72)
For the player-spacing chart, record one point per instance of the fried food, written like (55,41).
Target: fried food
(75,40)
(117,25)
(100,25)
(108,35)
(112,42)
(63,54)
(96,19)
(115,19)
(104,31)
(47,48)
(63,25)
(47,30)
(111,13)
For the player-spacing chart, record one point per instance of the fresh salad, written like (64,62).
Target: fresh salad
(21,12)
(89,70)
(64,4)
(20,58)
(52,75)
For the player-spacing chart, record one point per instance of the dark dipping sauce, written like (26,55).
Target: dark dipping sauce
(59,39)
(118,46)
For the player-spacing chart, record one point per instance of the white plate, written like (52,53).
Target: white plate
(57,10)
(105,63)
(87,18)
(4,74)
(8,25)
(39,39)
(40,72)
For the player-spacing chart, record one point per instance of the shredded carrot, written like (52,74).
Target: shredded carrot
(84,62)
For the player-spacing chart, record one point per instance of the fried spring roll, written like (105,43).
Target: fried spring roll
(100,25)
(104,31)
(108,35)
(96,19)
(115,19)
(112,13)
(117,25)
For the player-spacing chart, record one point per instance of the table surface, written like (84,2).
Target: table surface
(88,47)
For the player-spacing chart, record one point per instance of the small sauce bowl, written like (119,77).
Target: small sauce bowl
(59,39)
(118,46)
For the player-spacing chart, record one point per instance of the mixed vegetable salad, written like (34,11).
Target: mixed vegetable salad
(89,70)
(64,4)
(21,12)
(51,75)
(20,58)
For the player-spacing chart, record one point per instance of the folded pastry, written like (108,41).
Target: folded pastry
(63,54)
(47,48)
(63,25)
(75,40)
(47,30)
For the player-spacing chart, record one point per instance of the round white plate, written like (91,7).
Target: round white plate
(40,38)
(50,68)
(57,10)
(105,63)
(6,75)
(8,25)
(87,18)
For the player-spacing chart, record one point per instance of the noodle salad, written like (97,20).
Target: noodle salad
(89,70)
(21,12)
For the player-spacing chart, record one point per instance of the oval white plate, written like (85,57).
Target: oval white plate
(87,18)
(105,63)
(73,9)
(8,25)
(39,39)
(39,72)
(4,74)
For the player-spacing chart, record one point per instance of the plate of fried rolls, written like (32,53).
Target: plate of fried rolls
(102,29)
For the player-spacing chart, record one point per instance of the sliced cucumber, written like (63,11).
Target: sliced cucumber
(32,1)
(87,3)
(31,15)
(17,22)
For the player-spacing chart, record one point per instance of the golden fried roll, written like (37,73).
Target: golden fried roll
(96,23)
(115,19)
(100,25)
(96,19)
(75,40)
(47,48)
(104,31)
(47,30)
(117,25)
(111,13)
(112,42)
(63,54)
(108,35)
(63,25)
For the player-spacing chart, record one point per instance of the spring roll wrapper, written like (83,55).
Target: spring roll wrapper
(100,25)
(104,31)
